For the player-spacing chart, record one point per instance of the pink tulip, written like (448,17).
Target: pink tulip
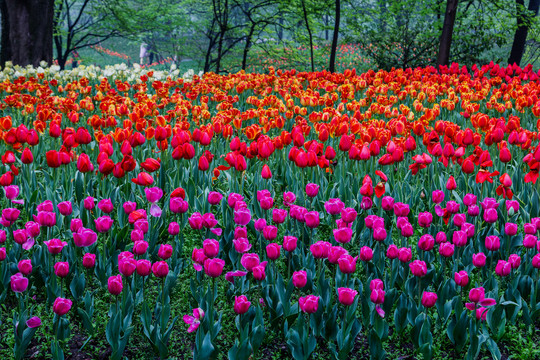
(289,243)
(347,264)
(106,206)
(55,246)
(214,198)
(129,207)
(144,267)
(76,224)
(240,232)
(259,271)
(84,237)
(241,245)
(103,224)
(366,254)
(429,299)
(446,249)
(346,296)
(312,219)
(461,278)
(493,243)
(127,266)
(270,232)
(376,284)
(392,252)
(312,190)
(61,306)
(89,260)
(404,254)
(437,196)
(279,216)
(425,219)
(503,268)
(309,304)
(377,296)
(18,282)
(459,238)
(241,304)
(299,279)
(25,266)
(342,235)
(334,206)
(61,269)
(418,268)
(249,261)
(319,250)
(387,203)
(426,242)
(153,194)
(242,217)
(210,248)
(114,284)
(65,208)
(174,228)
(165,251)
(273,251)
(479,260)
(334,253)
(514,260)
(160,269)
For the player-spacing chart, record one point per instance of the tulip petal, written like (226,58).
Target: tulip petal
(380,311)
(470,306)
(488,302)
(33,322)
(28,244)
(155,210)
(188,319)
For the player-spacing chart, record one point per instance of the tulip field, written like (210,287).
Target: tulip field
(270,215)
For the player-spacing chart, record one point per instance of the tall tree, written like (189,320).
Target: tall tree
(332,66)
(308,28)
(29,24)
(524,19)
(77,26)
(448,28)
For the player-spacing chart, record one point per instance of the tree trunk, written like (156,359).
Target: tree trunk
(332,66)
(448,28)
(247,46)
(30,31)
(5,54)
(310,35)
(524,19)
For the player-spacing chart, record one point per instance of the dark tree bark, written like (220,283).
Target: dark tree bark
(30,31)
(332,66)
(448,28)
(306,20)
(5,54)
(247,45)
(524,18)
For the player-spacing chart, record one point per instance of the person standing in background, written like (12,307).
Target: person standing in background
(143,53)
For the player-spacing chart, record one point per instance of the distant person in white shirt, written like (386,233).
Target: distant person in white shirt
(143,53)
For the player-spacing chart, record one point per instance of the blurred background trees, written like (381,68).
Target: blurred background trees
(231,35)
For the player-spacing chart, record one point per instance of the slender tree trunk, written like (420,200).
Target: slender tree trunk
(524,18)
(326,27)
(247,46)
(332,66)
(310,35)
(448,28)
(30,31)
(5,54)
(280,31)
